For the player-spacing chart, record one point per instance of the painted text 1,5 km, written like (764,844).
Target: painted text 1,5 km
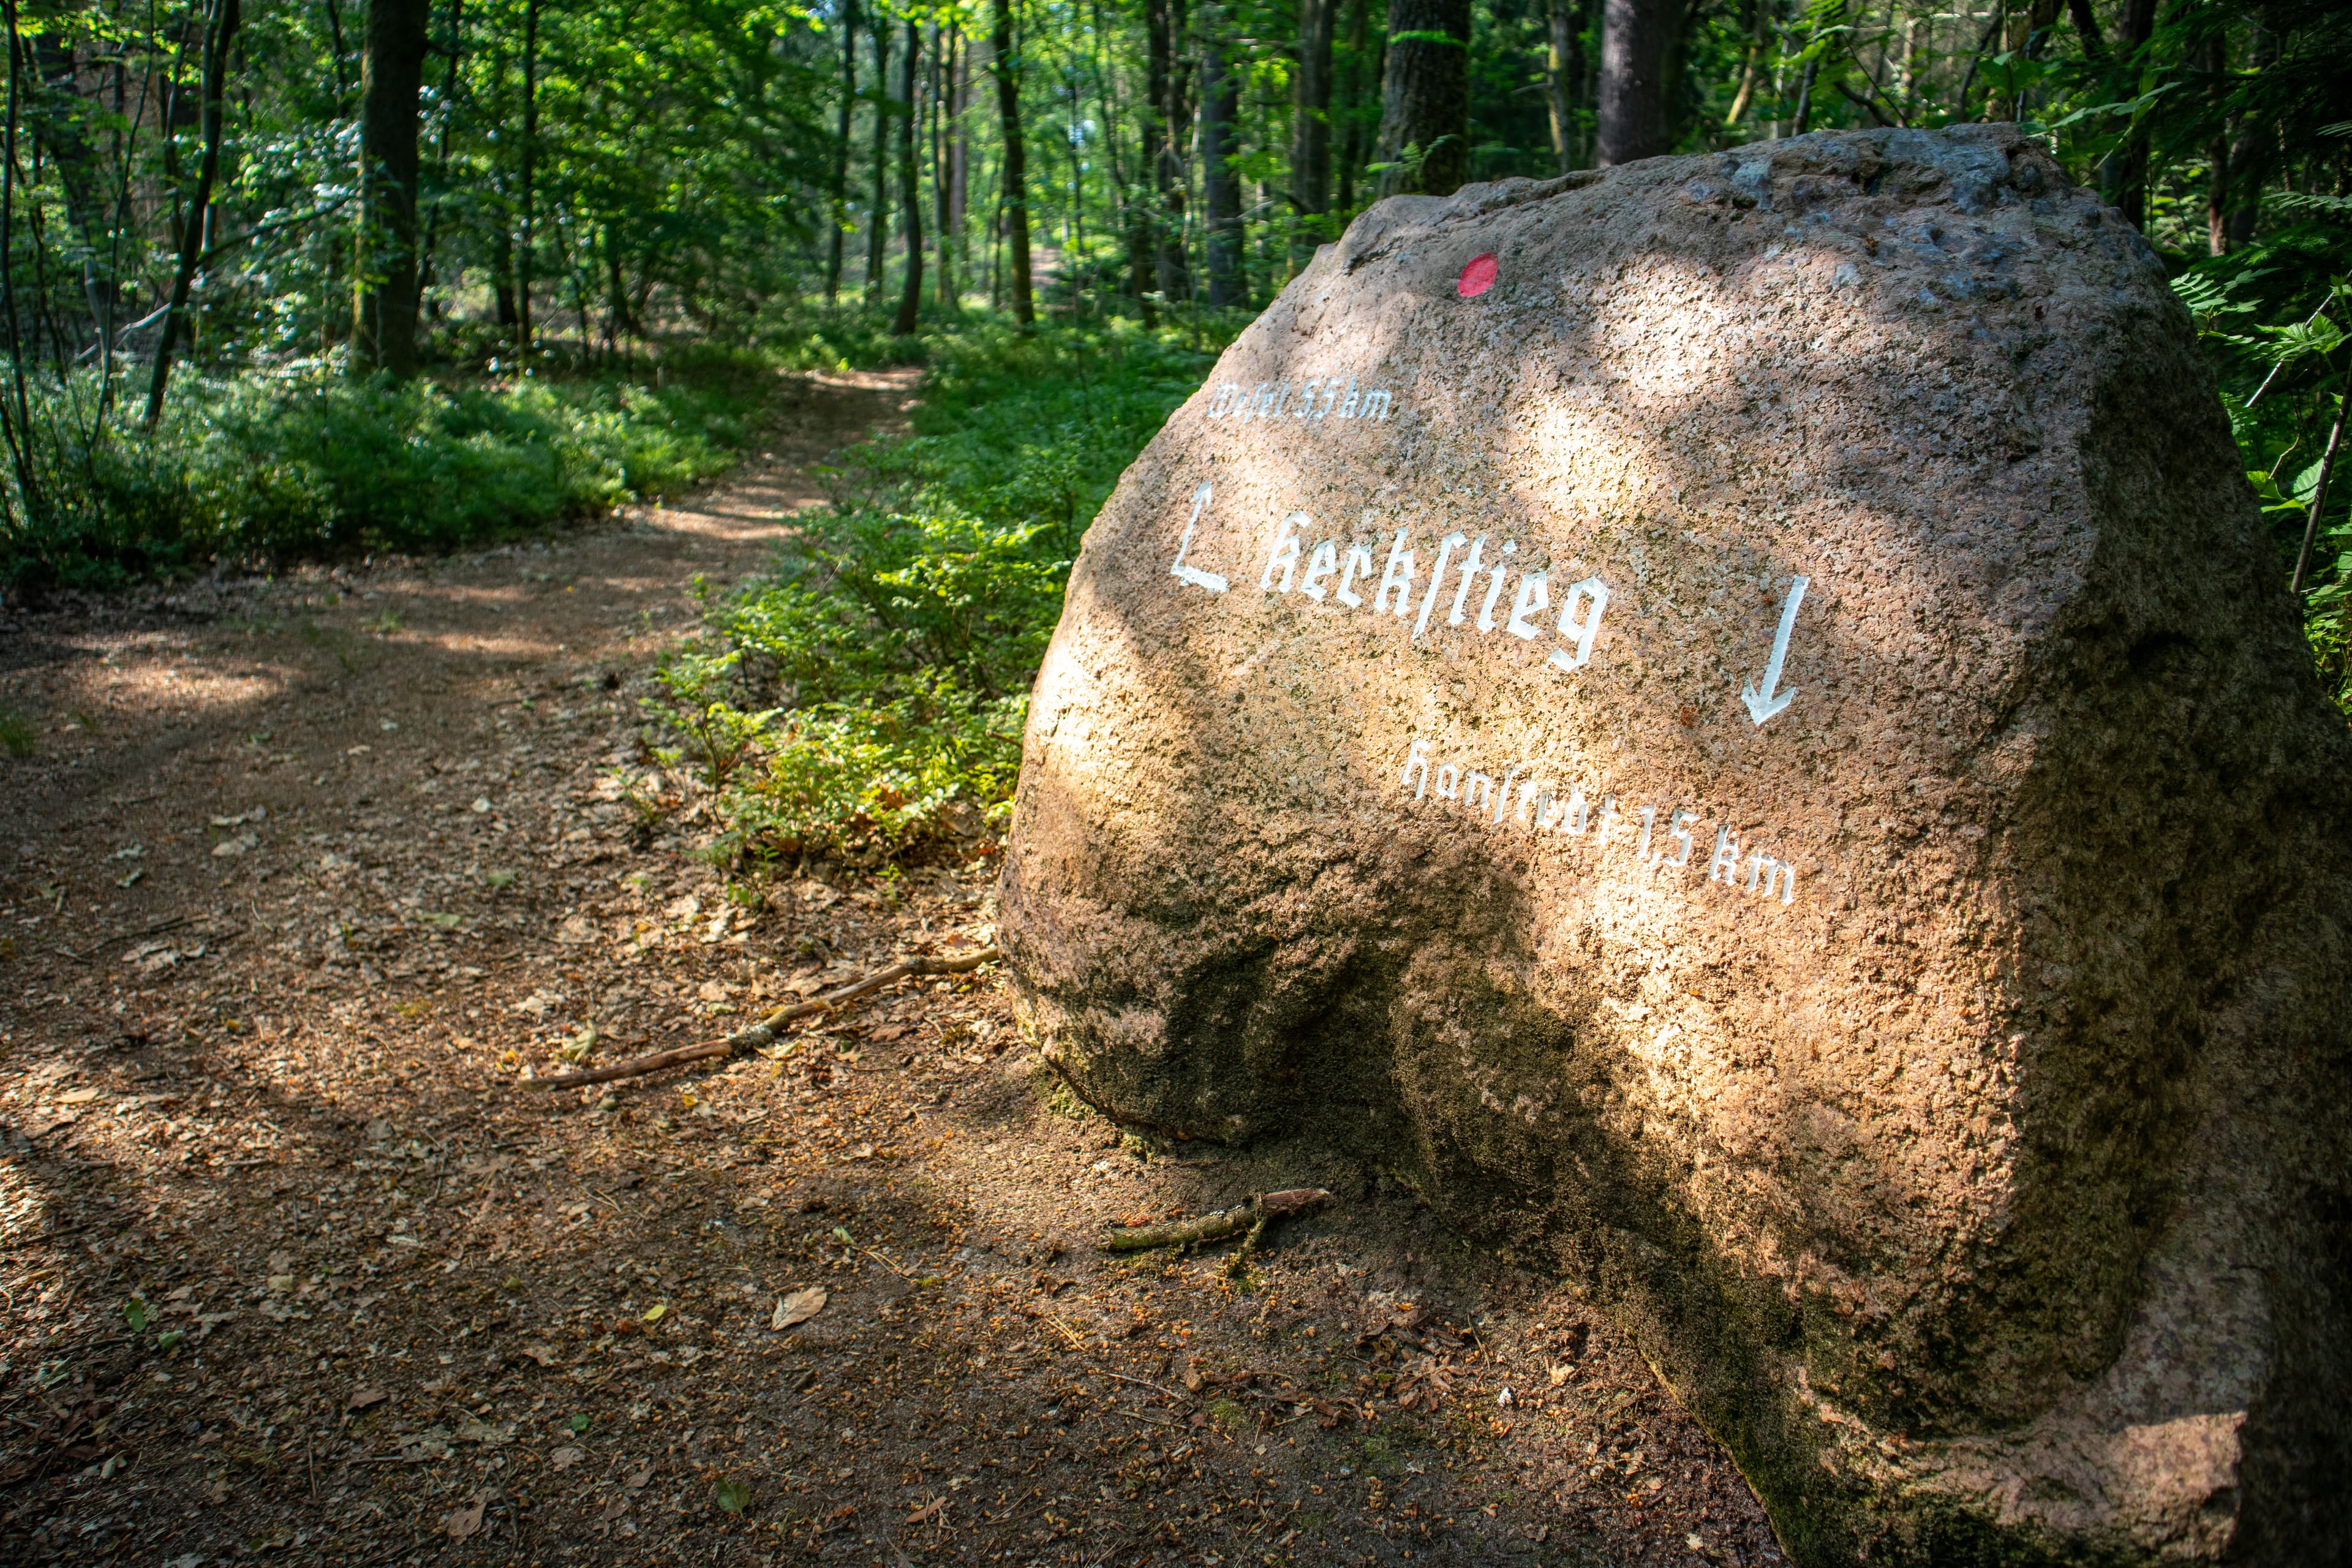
(1538,806)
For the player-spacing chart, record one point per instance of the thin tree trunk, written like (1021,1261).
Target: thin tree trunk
(1635,41)
(16,413)
(2131,170)
(1310,128)
(1074,263)
(524,251)
(839,187)
(910,191)
(502,276)
(1017,186)
(1220,191)
(1350,96)
(2254,138)
(1562,20)
(2217,151)
(960,157)
(441,154)
(942,77)
(1425,99)
(222,28)
(877,216)
(2319,492)
(1170,115)
(1757,33)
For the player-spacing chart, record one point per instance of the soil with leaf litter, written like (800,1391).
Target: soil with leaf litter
(306,874)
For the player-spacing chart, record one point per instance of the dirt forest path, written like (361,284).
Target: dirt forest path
(300,876)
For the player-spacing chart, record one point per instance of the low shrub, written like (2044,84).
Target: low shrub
(255,468)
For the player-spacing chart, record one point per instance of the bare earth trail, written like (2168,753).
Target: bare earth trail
(302,874)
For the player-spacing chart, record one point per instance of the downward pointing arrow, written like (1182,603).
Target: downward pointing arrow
(1762,705)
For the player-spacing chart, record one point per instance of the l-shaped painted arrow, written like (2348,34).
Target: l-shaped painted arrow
(1762,705)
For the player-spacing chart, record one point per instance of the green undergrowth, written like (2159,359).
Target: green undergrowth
(259,469)
(865,697)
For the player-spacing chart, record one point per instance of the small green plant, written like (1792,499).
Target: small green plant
(733,1496)
(579,1422)
(694,701)
(17,736)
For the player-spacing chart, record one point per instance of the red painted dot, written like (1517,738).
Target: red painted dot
(1476,278)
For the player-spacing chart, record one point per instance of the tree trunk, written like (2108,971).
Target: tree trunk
(1220,189)
(1310,127)
(2129,163)
(1636,39)
(1558,74)
(942,76)
(1016,183)
(1351,95)
(502,276)
(449,85)
(839,189)
(218,34)
(2217,150)
(959,155)
(2254,138)
(910,191)
(1425,99)
(392,73)
(877,216)
(525,252)
(1170,115)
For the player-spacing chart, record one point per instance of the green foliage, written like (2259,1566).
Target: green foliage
(2271,316)
(17,736)
(254,468)
(867,695)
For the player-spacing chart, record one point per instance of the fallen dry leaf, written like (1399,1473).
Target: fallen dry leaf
(363,1397)
(464,1521)
(565,1457)
(798,1307)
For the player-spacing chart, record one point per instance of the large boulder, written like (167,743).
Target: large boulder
(1733,719)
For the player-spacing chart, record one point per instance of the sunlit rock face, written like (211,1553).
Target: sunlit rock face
(1734,720)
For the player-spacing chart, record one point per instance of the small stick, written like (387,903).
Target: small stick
(1214,1226)
(766,1030)
(158,929)
(1239,1262)
(1140,1383)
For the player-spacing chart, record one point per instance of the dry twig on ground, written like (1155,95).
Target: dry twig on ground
(1250,1216)
(764,1032)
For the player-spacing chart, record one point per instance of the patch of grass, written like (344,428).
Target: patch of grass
(866,699)
(17,734)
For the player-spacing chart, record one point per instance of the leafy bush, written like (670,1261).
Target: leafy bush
(255,468)
(880,673)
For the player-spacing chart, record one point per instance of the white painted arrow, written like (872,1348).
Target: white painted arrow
(1762,705)
(1193,574)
